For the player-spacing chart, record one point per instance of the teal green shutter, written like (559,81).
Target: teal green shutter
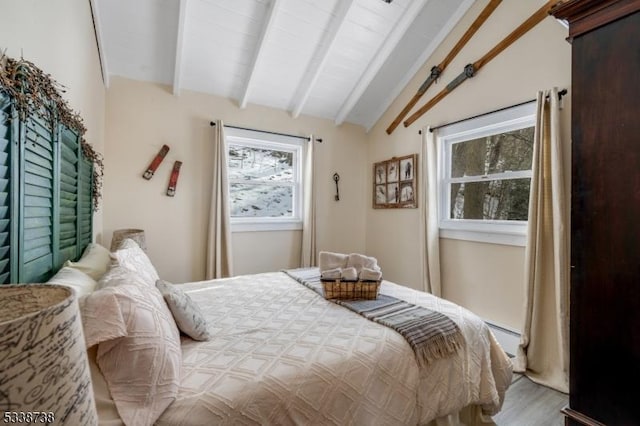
(6,192)
(68,196)
(37,195)
(85,203)
(46,200)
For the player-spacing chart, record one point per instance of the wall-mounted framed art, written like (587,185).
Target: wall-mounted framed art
(395,183)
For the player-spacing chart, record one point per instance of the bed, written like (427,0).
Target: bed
(281,354)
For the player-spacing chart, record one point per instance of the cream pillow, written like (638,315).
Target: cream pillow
(105,405)
(142,368)
(94,261)
(132,257)
(101,318)
(77,280)
(119,275)
(188,316)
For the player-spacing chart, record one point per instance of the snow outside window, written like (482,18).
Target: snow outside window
(265,180)
(485,176)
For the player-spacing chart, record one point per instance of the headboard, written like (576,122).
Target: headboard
(45,196)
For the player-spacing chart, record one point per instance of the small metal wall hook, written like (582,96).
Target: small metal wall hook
(336,178)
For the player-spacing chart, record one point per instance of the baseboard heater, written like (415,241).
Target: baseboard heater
(508,338)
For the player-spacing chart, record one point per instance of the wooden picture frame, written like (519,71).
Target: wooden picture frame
(395,183)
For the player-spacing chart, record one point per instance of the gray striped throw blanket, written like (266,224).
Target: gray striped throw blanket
(432,335)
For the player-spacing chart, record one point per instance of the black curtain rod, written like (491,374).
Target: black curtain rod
(213,123)
(560,95)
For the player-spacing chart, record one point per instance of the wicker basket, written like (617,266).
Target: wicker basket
(337,289)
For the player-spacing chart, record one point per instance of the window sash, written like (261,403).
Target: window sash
(522,174)
(511,232)
(265,141)
(261,182)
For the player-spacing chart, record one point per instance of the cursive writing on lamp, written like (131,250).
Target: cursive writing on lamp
(44,369)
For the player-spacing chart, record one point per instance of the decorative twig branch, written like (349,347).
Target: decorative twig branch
(34,92)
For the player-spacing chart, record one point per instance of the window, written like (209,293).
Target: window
(485,176)
(265,180)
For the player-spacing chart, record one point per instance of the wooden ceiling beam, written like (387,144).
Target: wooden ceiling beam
(259,52)
(177,69)
(319,58)
(387,48)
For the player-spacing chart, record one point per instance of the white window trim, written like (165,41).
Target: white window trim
(264,140)
(496,232)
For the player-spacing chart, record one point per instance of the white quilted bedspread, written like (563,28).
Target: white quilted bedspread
(283,355)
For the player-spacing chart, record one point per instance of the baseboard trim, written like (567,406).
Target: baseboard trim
(508,338)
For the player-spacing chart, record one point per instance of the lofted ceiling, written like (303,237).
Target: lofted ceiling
(344,60)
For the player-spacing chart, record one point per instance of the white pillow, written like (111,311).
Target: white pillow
(105,405)
(94,261)
(133,258)
(118,275)
(140,355)
(77,280)
(128,243)
(188,316)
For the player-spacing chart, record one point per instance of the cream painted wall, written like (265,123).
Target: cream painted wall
(58,37)
(251,248)
(142,116)
(132,120)
(485,278)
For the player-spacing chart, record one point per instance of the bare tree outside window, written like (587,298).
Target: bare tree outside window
(482,183)
(484,176)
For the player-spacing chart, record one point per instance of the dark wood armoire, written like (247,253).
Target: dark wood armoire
(605,211)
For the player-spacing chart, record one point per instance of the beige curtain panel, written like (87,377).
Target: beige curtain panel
(430,244)
(308,249)
(543,354)
(219,259)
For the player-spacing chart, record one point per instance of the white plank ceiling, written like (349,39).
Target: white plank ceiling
(345,60)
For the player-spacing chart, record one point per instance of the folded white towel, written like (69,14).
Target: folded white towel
(349,274)
(328,260)
(368,274)
(331,274)
(360,261)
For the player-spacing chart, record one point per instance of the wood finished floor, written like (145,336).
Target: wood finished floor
(529,404)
